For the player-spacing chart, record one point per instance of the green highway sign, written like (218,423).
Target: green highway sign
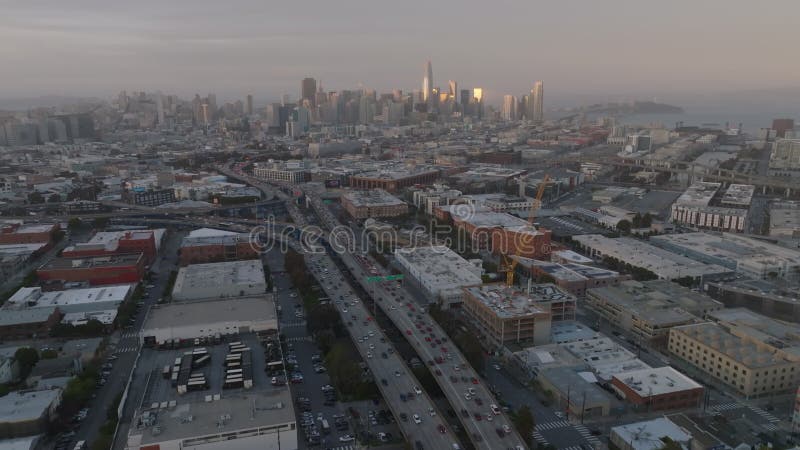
(384,278)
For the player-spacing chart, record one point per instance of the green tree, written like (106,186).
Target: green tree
(54,198)
(523,420)
(637,220)
(624,226)
(35,198)
(100,222)
(647,220)
(26,357)
(74,223)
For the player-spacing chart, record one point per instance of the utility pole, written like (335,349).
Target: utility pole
(569,388)
(583,406)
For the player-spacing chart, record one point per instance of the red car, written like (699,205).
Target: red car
(427,339)
(441,429)
(474,381)
(444,349)
(478,417)
(408,332)
(438,372)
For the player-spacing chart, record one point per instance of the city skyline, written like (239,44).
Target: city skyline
(216,48)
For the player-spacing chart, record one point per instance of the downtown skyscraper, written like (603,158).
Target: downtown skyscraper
(308,90)
(427,83)
(536,102)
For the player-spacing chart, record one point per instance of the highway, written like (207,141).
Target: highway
(391,374)
(471,399)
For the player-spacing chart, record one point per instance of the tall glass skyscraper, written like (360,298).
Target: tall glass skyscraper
(427,83)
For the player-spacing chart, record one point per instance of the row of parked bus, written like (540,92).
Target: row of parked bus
(238,367)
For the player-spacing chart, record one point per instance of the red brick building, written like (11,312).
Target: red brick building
(393,182)
(95,270)
(208,246)
(118,243)
(28,323)
(659,389)
(17,233)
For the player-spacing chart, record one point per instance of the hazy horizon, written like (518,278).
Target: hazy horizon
(598,51)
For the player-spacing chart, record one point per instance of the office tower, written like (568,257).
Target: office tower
(465,98)
(427,83)
(160,109)
(477,100)
(285,99)
(204,109)
(212,105)
(249,105)
(308,90)
(397,95)
(453,93)
(537,102)
(509,107)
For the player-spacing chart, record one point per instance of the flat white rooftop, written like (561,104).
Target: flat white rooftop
(34,297)
(223,279)
(657,381)
(21,407)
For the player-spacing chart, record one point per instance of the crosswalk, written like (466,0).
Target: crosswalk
(767,416)
(129,334)
(587,434)
(299,339)
(127,349)
(343,447)
(725,407)
(734,405)
(295,324)
(539,438)
(553,425)
(770,427)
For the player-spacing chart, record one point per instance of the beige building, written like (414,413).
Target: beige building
(751,369)
(507,315)
(648,309)
(373,203)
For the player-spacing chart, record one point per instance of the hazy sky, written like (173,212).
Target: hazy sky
(616,48)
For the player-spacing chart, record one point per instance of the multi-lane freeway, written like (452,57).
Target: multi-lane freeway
(416,414)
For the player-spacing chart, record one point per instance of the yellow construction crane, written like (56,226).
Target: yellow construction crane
(509,262)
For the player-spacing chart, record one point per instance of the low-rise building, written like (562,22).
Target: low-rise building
(107,243)
(649,435)
(27,413)
(190,320)
(573,278)
(745,255)
(207,245)
(507,315)
(742,365)
(657,389)
(648,309)
(784,219)
(605,357)
(220,280)
(77,305)
(95,270)
(664,264)
(15,232)
(373,203)
(576,390)
(28,323)
(779,301)
(499,232)
(287,171)
(395,179)
(440,272)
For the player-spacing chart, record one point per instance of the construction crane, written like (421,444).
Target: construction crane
(509,261)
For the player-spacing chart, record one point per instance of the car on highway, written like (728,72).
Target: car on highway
(417,419)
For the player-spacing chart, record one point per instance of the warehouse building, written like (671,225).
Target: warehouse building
(648,435)
(658,389)
(77,305)
(202,319)
(440,272)
(573,278)
(499,232)
(784,219)
(664,264)
(27,413)
(507,315)
(742,365)
(107,243)
(373,203)
(207,245)
(780,337)
(747,256)
(648,309)
(394,179)
(764,297)
(16,232)
(220,280)
(287,171)
(95,270)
